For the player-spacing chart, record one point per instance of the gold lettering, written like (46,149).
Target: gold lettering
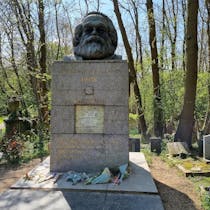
(88,79)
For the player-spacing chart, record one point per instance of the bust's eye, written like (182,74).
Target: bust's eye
(88,30)
(101,30)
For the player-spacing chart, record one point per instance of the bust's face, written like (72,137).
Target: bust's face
(95,41)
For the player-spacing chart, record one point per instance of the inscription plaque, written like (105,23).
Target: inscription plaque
(89,119)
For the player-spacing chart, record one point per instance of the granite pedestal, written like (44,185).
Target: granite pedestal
(89,120)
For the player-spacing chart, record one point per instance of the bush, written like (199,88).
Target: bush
(24,147)
(12,148)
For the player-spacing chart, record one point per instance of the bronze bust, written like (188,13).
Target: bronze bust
(94,38)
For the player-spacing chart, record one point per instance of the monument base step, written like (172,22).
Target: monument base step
(139,180)
(138,191)
(67,200)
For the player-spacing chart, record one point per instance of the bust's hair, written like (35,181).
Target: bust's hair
(111,29)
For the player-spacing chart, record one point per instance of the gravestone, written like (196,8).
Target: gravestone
(134,145)
(206,147)
(155,143)
(16,122)
(89,119)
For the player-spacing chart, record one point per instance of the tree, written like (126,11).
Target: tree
(133,8)
(206,126)
(132,73)
(43,63)
(171,27)
(184,40)
(158,115)
(186,121)
(163,31)
(36,68)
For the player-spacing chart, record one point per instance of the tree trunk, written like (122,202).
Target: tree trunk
(57,30)
(138,36)
(6,78)
(42,63)
(25,28)
(206,126)
(163,30)
(132,73)
(184,40)
(158,116)
(186,122)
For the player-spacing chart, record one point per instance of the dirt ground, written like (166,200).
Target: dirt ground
(11,174)
(176,191)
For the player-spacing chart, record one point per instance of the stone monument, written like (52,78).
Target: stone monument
(206,147)
(89,119)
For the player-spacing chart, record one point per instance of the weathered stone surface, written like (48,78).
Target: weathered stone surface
(87,152)
(62,119)
(115,118)
(206,147)
(177,148)
(134,144)
(89,119)
(71,97)
(155,143)
(108,79)
(89,115)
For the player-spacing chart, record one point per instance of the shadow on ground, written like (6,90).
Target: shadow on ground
(173,199)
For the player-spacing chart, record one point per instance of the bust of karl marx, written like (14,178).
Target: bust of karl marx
(94,38)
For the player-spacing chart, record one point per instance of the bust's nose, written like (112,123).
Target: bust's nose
(94,31)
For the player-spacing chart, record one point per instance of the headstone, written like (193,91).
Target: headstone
(155,144)
(134,145)
(177,148)
(89,120)
(206,147)
(16,122)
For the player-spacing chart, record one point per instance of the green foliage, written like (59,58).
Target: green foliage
(12,148)
(145,148)
(2,120)
(24,147)
(202,96)
(172,95)
(205,199)
(133,122)
(32,147)
(172,91)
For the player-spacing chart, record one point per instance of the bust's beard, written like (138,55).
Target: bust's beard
(94,49)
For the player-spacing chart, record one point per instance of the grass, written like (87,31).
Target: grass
(133,133)
(200,182)
(2,119)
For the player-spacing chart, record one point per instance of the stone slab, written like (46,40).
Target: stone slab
(77,88)
(63,119)
(140,180)
(176,148)
(93,82)
(76,75)
(89,119)
(87,152)
(72,97)
(33,200)
(66,200)
(206,148)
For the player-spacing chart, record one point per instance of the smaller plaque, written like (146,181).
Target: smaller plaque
(89,119)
